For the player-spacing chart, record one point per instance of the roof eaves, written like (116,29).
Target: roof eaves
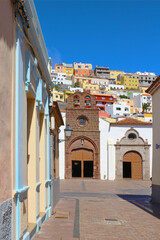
(154,86)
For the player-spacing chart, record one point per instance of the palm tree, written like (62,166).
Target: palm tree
(145,106)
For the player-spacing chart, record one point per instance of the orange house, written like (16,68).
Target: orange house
(83,72)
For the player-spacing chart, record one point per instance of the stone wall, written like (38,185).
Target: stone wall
(6,220)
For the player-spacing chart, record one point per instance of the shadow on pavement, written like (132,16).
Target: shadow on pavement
(143,202)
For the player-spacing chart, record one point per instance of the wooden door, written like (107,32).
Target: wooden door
(136,164)
(84,156)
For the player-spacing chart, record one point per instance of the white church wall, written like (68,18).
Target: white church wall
(62,149)
(111,159)
(103,127)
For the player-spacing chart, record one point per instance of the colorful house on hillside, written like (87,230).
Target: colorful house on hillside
(58,96)
(129,81)
(68,69)
(83,72)
(129,103)
(59,68)
(88,86)
(83,69)
(103,100)
(143,101)
(114,74)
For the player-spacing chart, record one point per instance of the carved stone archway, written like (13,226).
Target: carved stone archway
(79,144)
(132,142)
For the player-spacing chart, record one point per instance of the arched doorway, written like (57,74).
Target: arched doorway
(82,163)
(132,165)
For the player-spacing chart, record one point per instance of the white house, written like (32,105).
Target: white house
(118,109)
(75,89)
(142,99)
(116,87)
(60,78)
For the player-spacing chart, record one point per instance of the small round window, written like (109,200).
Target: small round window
(82,121)
(132,136)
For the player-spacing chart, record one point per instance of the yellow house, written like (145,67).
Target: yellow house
(68,69)
(114,74)
(58,96)
(87,86)
(129,82)
(67,94)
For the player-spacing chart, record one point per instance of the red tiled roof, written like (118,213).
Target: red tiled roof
(154,86)
(145,94)
(104,114)
(131,121)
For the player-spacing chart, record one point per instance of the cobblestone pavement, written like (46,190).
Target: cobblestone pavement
(100,210)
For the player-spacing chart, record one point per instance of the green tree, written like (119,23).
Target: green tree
(145,106)
(77,84)
(123,96)
(56,87)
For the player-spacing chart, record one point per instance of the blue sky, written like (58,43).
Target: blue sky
(124,35)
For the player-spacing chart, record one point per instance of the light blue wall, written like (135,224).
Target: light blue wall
(19,110)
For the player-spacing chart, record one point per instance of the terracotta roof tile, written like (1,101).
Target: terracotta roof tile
(131,121)
(104,114)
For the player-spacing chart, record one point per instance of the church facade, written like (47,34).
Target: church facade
(82,151)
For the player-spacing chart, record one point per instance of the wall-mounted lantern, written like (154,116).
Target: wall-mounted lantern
(68,133)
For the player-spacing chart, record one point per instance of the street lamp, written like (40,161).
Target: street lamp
(68,132)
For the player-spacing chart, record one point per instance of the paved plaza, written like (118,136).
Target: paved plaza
(99,210)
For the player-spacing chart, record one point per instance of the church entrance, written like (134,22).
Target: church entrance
(82,163)
(132,165)
(126,169)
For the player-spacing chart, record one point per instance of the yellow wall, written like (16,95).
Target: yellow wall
(58,96)
(143,89)
(68,71)
(130,83)
(114,74)
(31,128)
(68,93)
(148,114)
(85,85)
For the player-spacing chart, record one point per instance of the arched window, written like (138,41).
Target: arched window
(87,101)
(76,101)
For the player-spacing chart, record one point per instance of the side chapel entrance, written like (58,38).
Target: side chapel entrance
(82,163)
(132,165)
